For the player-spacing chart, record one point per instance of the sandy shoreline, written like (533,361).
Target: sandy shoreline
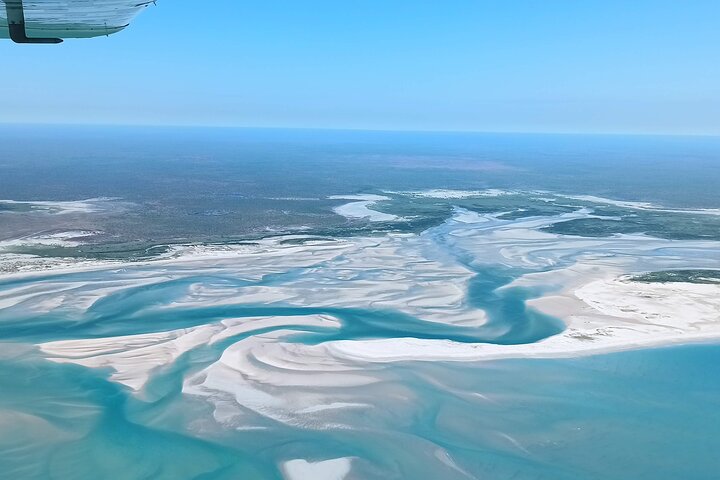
(252,369)
(360,208)
(603,311)
(584,280)
(412,273)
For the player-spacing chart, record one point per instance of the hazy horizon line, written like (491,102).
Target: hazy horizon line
(356,129)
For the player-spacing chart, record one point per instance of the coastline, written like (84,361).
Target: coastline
(597,307)
(581,281)
(595,304)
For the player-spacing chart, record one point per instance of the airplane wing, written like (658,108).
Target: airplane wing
(49,21)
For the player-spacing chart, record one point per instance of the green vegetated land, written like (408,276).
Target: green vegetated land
(689,276)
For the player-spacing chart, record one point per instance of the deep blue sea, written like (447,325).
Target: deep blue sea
(181,303)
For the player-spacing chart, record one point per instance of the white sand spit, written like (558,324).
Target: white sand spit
(361,208)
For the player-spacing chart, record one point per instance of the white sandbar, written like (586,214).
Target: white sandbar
(361,208)
(299,469)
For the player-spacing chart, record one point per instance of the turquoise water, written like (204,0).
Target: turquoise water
(131,312)
(647,414)
(446,269)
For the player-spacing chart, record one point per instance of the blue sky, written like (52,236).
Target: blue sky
(539,66)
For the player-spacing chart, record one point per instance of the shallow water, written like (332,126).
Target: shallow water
(629,415)
(247,379)
(625,415)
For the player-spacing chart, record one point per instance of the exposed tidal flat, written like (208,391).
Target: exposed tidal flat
(312,305)
(479,347)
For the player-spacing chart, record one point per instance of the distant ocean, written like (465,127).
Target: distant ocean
(237,303)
